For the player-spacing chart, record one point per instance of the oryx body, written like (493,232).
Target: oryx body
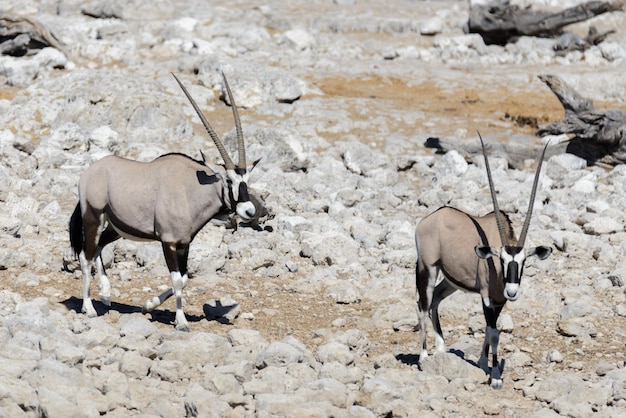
(168,199)
(478,254)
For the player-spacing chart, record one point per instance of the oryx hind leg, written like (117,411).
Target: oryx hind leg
(92,230)
(426,277)
(85,267)
(108,235)
(442,291)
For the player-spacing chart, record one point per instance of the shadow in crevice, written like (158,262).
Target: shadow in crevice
(589,151)
(408,359)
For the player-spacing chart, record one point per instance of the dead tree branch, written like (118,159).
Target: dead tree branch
(499,22)
(599,134)
(515,153)
(21,35)
(569,41)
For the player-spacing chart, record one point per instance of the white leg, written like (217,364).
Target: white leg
(440,345)
(425,291)
(105,285)
(178,284)
(421,317)
(483,362)
(494,339)
(85,268)
(442,291)
(155,301)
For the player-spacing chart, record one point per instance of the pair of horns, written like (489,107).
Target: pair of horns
(241,164)
(499,216)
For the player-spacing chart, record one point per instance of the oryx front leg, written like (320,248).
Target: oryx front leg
(156,301)
(176,259)
(178,284)
(492,339)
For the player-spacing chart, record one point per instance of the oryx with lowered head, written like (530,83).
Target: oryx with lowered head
(478,254)
(168,199)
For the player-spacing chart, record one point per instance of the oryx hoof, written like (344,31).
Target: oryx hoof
(91,313)
(181,321)
(150,305)
(496,383)
(106,300)
(183,327)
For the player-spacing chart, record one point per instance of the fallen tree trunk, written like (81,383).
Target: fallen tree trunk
(515,153)
(500,23)
(569,42)
(599,134)
(23,35)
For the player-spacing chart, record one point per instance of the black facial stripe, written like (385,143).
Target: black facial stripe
(243,192)
(513,250)
(240,171)
(512,273)
(231,196)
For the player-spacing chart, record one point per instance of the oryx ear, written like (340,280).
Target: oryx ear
(254,165)
(206,178)
(542,252)
(483,251)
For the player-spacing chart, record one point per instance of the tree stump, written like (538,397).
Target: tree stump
(599,135)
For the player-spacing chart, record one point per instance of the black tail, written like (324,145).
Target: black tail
(76,230)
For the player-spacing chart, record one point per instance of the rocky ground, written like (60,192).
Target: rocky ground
(313,315)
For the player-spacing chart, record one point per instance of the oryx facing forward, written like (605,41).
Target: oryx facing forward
(475,254)
(168,199)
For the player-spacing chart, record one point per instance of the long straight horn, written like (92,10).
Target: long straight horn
(240,144)
(496,209)
(216,139)
(522,236)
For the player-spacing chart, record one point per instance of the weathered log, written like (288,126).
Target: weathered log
(569,41)
(500,22)
(599,135)
(22,35)
(515,153)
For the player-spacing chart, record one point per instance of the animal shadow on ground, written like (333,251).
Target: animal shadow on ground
(218,312)
(414,359)
(75,304)
(211,313)
(409,359)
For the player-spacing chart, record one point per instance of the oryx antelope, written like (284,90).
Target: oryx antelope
(168,199)
(464,248)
